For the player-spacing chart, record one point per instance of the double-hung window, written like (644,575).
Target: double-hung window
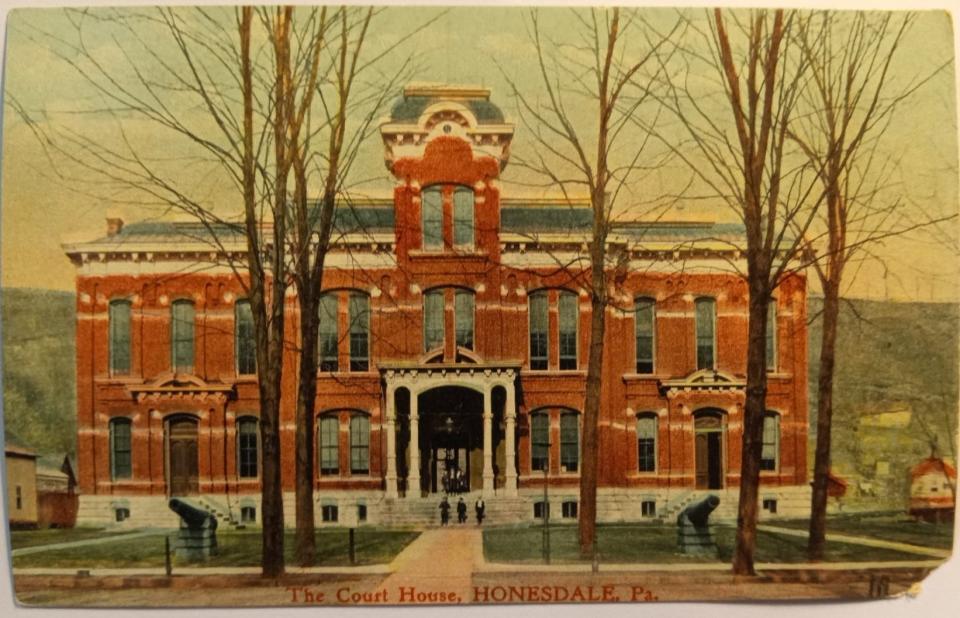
(182,336)
(569,441)
(328,334)
(359,444)
(433,320)
(645,317)
(647,443)
(463,318)
(431,206)
(329,433)
(359,312)
(121,449)
(119,337)
(539,441)
(567,306)
(706,318)
(244,346)
(539,327)
(463,222)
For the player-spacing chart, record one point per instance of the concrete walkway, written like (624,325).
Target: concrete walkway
(438,566)
(862,540)
(107,538)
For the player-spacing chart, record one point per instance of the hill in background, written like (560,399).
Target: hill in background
(39,362)
(896,385)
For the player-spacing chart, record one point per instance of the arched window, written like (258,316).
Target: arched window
(359,444)
(359,313)
(464,317)
(772,335)
(539,440)
(770,453)
(182,336)
(463,222)
(647,442)
(119,337)
(568,314)
(248,441)
(645,318)
(329,433)
(433,323)
(431,209)
(121,449)
(569,441)
(244,344)
(706,317)
(539,327)
(328,333)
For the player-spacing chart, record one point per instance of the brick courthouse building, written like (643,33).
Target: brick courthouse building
(453,352)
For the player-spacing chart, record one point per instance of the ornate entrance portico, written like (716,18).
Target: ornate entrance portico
(481,378)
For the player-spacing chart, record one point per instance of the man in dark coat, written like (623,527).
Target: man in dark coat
(444,511)
(461,511)
(480,507)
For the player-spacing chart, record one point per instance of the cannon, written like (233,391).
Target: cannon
(693,528)
(197,538)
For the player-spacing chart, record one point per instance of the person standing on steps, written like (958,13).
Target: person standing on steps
(480,507)
(461,510)
(444,511)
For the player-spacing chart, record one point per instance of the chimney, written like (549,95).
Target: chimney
(114,226)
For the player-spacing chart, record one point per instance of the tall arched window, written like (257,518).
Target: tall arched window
(328,431)
(248,441)
(359,444)
(119,337)
(567,307)
(770,453)
(244,345)
(328,333)
(431,208)
(569,441)
(121,449)
(433,323)
(645,317)
(539,440)
(182,336)
(359,314)
(463,222)
(539,328)
(464,317)
(706,318)
(647,442)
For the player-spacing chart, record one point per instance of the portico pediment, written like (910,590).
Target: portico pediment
(702,380)
(178,386)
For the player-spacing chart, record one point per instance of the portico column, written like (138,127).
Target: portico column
(391,444)
(487,443)
(413,473)
(510,414)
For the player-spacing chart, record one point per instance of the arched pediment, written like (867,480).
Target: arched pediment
(703,379)
(178,385)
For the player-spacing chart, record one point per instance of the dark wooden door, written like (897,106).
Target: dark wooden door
(182,457)
(714,460)
(703,465)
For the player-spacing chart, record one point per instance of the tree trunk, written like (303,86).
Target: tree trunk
(305,541)
(821,466)
(590,445)
(272,495)
(752,427)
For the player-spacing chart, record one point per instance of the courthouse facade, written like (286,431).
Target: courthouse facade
(453,352)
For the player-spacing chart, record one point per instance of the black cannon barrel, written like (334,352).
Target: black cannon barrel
(699,512)
(191,515)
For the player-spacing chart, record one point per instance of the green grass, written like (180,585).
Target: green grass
(885,526)
(236,548)
(658,544)
(32,538)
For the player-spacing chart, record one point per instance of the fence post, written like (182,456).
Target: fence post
(353,554)
(168,565)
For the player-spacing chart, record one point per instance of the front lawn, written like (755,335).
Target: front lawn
(236,548)
(895,527)
(631,543)
(48,536)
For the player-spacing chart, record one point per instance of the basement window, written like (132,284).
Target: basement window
(121,513)
(770,505)
(648,508)
(248,514)
(569,509)
(329,513)
(540,509)
(361,512)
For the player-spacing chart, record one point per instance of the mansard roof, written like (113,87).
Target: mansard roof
(416,99)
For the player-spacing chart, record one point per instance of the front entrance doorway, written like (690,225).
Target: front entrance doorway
(708,444)
(182,468)
(451,440)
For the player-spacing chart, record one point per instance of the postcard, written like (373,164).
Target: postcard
(388,305)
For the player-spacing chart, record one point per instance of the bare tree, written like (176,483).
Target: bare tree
(592,86)
(736,150)
(849,105)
